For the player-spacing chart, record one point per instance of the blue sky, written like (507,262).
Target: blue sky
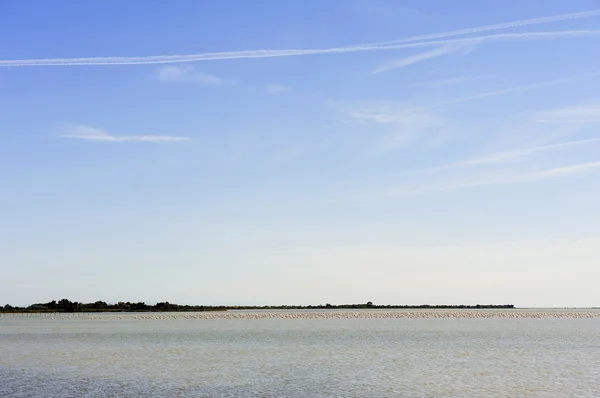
(300,152)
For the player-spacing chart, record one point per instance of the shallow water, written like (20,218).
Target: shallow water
(312,356)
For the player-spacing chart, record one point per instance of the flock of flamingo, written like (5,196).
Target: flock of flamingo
(562,314)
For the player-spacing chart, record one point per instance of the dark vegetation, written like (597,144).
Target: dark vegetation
(65,305)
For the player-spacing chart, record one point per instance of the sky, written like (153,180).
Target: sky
(300,152)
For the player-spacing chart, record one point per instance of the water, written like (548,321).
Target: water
(316,356)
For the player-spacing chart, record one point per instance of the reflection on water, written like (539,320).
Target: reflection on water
(299,357)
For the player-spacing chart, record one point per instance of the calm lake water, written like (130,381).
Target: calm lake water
(308,357)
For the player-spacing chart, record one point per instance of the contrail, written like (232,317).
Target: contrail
(436,52)
(166,59)
(487,28)
(506,156)
(454,45)
(504,91)
(398,44)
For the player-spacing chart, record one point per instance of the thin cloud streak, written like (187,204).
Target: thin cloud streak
(509,156)
(465,45)
(276,88)
(186,74)
(556,172)
(504,91)
(384,117)
(97,135)
(487,160)
(448,81)
(413,59)
(584,114)
(487,28)
(389,115)
(167,59)
(526,177)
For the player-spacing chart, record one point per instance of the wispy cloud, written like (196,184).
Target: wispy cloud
(512,155)
(93,134)
(583,114)
(492,159)
(452,80)
(467,45)
(186,74)
(276,88)
(401,126)
(380,113)
(413,59)
(554,173)
(504,91)
(500,26)
(410,42)
(411,120)
(516,178)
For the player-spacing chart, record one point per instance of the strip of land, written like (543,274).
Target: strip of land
(67,306)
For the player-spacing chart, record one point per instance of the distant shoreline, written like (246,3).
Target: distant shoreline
(67,306)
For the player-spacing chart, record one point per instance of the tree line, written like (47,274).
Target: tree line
(65,305)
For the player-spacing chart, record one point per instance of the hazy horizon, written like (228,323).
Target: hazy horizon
(270,152)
